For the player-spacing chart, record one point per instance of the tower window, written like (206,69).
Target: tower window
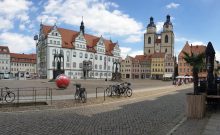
(166,39)
(149,40)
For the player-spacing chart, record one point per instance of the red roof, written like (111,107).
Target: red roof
(158,55)
(23,58)
(4,50)
(68,38)
(194,49)
(158,40)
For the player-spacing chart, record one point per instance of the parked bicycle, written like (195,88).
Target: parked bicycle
(80,93)
(119,89)
(7,95)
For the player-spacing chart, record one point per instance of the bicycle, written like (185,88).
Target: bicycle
(119,89)
(7,95)
(80,93)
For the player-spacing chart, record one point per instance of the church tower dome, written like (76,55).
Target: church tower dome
(168,26)
(151,27)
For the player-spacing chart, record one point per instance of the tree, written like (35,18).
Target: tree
(197,63)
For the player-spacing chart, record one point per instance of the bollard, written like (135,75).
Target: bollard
(104,95)
(18,97)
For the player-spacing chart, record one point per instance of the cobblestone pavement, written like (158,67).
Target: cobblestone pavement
(154,115)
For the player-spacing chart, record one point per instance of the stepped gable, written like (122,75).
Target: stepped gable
(197,49)
(4,50)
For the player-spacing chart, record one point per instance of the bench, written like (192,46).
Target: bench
(213,101)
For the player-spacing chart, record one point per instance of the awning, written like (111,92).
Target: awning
(167,75)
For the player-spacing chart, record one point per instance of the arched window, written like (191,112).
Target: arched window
(166,39)
(68,56)
(149,40)
(74,64)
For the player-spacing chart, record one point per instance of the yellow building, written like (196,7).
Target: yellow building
(157,65)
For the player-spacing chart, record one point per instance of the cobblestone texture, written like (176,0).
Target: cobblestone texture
(155,115)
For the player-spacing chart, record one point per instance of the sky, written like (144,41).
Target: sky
(122,21)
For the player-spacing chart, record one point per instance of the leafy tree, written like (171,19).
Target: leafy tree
(197,63)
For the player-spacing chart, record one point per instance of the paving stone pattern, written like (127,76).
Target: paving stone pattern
(153,116)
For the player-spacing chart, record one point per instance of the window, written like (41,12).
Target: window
(80,55)
(109,59)
(86,55)
(91,56)
(165,50)
(166,39)
(96,57)
(54,42)
(74,54)
(54,51)
(56,34)
(80,65)
(58,42)
(149,51)
(149,40)
(100,57)
(100,66)
(68,56)
(74,64)
(96,66)
(51,41)
(67,65)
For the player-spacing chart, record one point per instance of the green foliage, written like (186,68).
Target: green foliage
(197,63)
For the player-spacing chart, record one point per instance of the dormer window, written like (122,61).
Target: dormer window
(56,34)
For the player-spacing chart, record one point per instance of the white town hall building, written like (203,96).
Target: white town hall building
(76,47)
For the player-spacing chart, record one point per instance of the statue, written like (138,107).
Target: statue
(59,60)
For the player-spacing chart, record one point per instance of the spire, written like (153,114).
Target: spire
(168,18)
(168,22)
(82,27)
(151,24)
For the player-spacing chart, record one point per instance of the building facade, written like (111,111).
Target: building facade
(76,47)
(157,65)
(4,62)
(23,64)
(184,69)
(159,42)
(126,67)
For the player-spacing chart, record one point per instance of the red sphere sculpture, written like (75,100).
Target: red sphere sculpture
(62,81)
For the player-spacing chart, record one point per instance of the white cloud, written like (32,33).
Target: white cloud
(99,16)
(172,5)
(133,38)
(130,52)
(217,55)
(159,26)
(14,9)
(197,43)
(21,26)
(5,24)
(18,43)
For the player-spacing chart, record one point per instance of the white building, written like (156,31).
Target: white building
(4,62)
(76,47)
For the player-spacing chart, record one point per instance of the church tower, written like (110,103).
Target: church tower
(167,37)
(150,37)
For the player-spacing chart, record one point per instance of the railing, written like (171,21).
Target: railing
(97,91)
(33,95)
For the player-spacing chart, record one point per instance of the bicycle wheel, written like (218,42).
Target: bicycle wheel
(129,92)
(84,96)
(76,96)
(9,97)
(108,92)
